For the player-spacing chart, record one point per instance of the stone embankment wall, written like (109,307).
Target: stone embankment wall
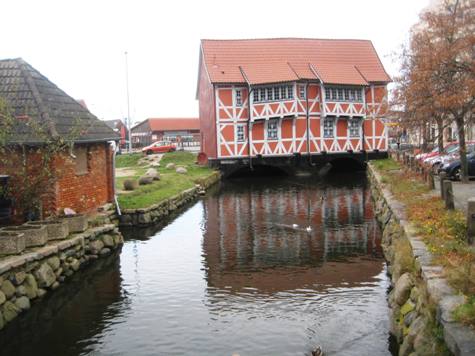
(421,301)
(156,212)
(27,277)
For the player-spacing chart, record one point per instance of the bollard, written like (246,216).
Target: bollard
(430,178)
(470,220)
(442,177)
(449,195)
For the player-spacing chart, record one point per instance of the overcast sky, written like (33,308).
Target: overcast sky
(80,45)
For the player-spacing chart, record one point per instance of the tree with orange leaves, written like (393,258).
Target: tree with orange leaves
(437,80)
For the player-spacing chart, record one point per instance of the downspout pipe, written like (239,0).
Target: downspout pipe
(250,91)
(307,113)
(113,144)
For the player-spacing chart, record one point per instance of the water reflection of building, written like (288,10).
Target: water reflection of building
(248,234)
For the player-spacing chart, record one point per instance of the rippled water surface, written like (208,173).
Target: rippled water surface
(237,272)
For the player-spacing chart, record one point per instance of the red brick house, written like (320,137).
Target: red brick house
(119,127)
(169,129)
(81,175)
(287,97)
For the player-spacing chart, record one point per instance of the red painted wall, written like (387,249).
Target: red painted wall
(207,110)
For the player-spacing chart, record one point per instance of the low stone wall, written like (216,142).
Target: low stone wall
(27,277)
(154,213)
(421,301)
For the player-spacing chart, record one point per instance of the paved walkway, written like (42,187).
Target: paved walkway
(462,192)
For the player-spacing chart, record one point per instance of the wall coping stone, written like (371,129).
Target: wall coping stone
(460,339)
(54,246)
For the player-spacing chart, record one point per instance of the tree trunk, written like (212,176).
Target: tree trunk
(463,150)
(440,136)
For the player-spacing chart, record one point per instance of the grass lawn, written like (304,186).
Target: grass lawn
(444,231)
(170,183)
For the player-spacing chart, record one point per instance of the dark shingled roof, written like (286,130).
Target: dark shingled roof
(30,95)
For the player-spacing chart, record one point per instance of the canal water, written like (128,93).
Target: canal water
(261,266)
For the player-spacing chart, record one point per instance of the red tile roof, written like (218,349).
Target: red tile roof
(259,61)
(174,124)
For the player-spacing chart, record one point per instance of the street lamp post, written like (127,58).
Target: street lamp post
(128,103)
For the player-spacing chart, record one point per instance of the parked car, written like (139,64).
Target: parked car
(452,155)
(438,158)
(159,147)
(422,156)
(453,169)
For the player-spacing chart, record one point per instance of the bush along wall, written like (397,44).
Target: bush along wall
(421,301)
(157,212)
(27,277)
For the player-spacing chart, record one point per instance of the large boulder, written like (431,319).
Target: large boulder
(8,289)
(108,240)
(10,311)
(31,287)
(96,246)
(170,165)
(45,276)
(54,262)
(402,289)
(144,180)
(23,303)
(130,184)
(153,173)
(181,170)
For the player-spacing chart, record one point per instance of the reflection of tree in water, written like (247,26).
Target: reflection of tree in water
(251,238)
(78,310)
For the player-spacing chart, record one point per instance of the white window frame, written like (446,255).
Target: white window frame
(240,130)
(354,127)
(238,98)
(274,136)
(290,91)
(302,92)
(344,94)
(329,131)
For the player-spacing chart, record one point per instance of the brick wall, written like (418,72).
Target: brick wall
(81,192)
(84,192)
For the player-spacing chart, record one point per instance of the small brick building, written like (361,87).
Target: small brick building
(81,175)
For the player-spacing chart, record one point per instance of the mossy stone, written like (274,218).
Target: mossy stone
(407,307)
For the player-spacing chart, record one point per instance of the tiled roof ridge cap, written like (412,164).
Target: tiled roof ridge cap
(44,114)
(284,38)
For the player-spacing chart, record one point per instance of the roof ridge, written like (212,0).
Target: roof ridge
(44,114)
(285,38)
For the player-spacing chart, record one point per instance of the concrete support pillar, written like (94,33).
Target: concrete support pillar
(471,220)
(448,195)
(442,177)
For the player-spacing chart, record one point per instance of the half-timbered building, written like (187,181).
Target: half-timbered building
(271,98)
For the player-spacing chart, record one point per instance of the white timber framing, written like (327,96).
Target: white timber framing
(228,117)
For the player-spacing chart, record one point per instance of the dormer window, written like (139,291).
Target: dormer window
(273,93)
(343,94)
